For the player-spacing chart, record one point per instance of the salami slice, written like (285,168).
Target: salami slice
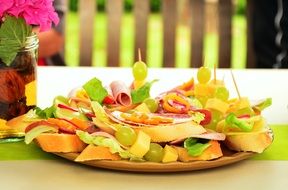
(121,93)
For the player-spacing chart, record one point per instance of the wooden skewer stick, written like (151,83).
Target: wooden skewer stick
(139,55)
(215,79)
(235,84)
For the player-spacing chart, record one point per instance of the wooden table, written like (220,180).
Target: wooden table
(62,174)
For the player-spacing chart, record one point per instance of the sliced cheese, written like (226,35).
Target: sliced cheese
(240,104)
(141,145)
(143,108)
(217,104)
(170,154)
(167,133)
(203,90)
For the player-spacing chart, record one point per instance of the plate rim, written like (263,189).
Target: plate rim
(132,166)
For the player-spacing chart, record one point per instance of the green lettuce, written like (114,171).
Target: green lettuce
(195,147)
(45,113)
(139,95)
(245,125)
(101,116)
(35,132)
(197,117)
(266,103)
(110,143)
(95,90)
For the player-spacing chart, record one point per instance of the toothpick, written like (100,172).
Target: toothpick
(139,55)
(215,74)
(234,81)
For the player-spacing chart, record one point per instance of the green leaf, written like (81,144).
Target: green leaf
(110,143)
(198,149)
(262,105)
(13,34)
(46,113)
(35,132)
(189,142)
(232,121)
(195,147)
(142,93)
(95,90)
(102,116)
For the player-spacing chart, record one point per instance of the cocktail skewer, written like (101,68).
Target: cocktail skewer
(235,84)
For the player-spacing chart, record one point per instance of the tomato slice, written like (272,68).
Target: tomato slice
(207,118)
(109,100)
(67,107)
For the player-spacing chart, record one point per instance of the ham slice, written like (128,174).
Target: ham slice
(207,135)
(121,93)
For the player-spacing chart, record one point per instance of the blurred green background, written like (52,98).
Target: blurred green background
(154,52)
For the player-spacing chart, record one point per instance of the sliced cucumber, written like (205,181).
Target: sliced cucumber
(35,132)
(69,114)
(60,100)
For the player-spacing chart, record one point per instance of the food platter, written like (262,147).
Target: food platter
(186,128)
(229,157)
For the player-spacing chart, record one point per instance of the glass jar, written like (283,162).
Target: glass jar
(18,82)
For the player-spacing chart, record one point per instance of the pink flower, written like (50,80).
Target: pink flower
(35,12)
(18,7)
(5,5)
(42,13)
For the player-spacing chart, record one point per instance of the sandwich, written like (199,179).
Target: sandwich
(190,122)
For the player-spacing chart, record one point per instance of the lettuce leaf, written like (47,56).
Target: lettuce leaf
(266,103)
(197,117)
(95,90)
(46,113)
(35,132)
(196,147)
(101,116)
(243,124)
(142,93)
(110,143)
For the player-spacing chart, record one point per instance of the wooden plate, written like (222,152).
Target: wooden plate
(228,158)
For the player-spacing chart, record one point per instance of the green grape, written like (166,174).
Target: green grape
(155,153)
(60,100)
(152,104)
(221,93)
(203,75)
(195,102)
(216,117)
(126,135)
(139,71)
(202,100)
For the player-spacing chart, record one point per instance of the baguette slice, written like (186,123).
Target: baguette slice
(60,143)
(19,123)
(249,142)
(255,141)
(212,152)
(92,152)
